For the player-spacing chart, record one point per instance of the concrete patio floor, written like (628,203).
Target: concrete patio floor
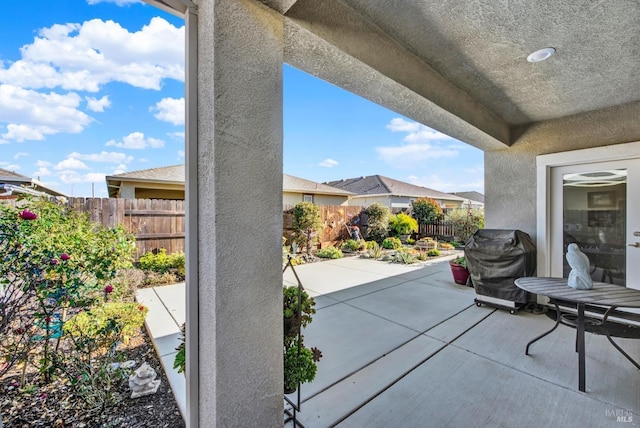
(403,345)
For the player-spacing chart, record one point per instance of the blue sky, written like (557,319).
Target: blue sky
(90,88)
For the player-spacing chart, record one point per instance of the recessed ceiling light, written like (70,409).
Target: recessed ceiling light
(541,54)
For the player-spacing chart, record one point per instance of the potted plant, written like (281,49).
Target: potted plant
(299,361)
(299,365)
(459,270)
(298,307)
(403,225)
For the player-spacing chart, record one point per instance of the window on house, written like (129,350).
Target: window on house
(307,198)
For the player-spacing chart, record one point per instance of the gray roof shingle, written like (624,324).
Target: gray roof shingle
(474,196)
(380,185)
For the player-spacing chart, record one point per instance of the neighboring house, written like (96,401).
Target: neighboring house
(165,182)
(168,183)
(472,199)
(296,189)
(13,184)
(392,193)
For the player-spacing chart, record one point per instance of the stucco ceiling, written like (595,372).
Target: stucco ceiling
(469,57)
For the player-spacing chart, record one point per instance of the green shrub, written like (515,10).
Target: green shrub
(378,221)
(403,224)
(445,246)
(330,253)
(465,222)
(422,256)
(368,245)
(307,222)
(57,261)
(299,365)
(350,245)
(160,262)
(411,241)
(180,360)
(404,257)
(391,243)
(375,251)
(433,252)
(426,210)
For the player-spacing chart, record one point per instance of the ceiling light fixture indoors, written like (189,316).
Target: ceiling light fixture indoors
(541,54)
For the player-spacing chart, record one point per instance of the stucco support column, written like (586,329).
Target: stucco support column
(236,168)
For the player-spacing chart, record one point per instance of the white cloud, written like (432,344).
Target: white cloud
(328,163)
(411,154)
(169,110)
(181,155)
(423,144)
(452,183)
(416,132)
(9,166)
(83,57)
(42,172)
(70,163)
(425,135)
(43,164)
(98,105)
(20,154)
(398,124)
(120,169)
(136,141)
(31,115)
(104,157)
(95,177)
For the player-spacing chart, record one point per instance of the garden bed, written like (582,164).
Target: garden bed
(54,405)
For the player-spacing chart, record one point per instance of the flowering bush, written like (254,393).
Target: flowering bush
(391,243)
(55,267)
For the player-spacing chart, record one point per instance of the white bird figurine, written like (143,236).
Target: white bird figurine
(579,276)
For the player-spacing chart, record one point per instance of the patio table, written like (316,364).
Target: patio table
(607,296)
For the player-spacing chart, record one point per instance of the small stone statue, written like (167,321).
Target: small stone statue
(579,276)
(142,382)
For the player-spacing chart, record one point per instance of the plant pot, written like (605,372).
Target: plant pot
(290,390)
(460,273)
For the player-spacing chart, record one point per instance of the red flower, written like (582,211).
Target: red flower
(27,215)
(64,257)
(54,262)
(141,308)
(108,289)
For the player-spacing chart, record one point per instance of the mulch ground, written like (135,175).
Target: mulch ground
(54,404)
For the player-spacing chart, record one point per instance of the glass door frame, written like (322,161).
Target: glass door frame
(544,165)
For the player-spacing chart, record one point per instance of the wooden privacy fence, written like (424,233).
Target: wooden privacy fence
(439,230)
(155,223)
(335,220)
(158,223)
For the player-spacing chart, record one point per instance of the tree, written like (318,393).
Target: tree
(306,223)
(465,222)
(426,210)
(378,221)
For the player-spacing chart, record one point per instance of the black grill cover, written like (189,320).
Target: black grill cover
(495,258)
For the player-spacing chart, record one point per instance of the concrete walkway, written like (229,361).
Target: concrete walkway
(403,345)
